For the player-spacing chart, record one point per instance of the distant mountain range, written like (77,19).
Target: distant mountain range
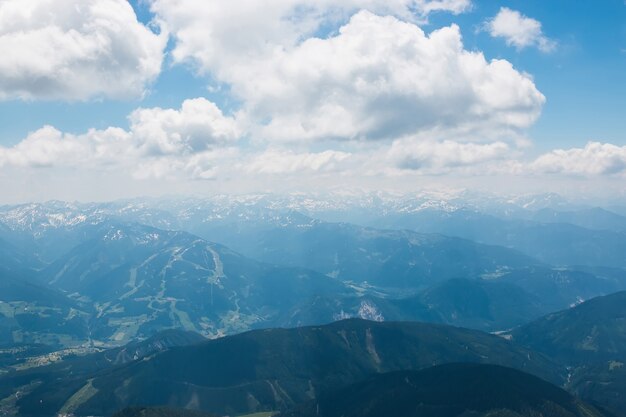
(131,281)
(126,280)
(554,243)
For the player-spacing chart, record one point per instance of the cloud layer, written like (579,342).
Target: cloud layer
(439,157)
(75,50)
(198,142)
(324,89)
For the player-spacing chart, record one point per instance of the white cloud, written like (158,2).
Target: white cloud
(161,143)
(518,30)
(380,77)
(218,34)
(443,156)
(594,159)
(453,6)
(377,77)
(75,50)
(197,126)
(49,147)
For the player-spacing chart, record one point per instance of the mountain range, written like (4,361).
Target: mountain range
(105,306)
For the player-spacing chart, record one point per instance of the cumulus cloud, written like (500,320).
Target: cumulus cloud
(594,159)
(441,156)
(380,77)
(76,50)
(376,77)
(518,30)
(197,126)
(217,34)
(160,143)
(49,147)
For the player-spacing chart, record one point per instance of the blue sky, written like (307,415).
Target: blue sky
(584,80)
(582,77)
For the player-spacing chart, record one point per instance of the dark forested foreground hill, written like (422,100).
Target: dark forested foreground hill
(160,412)
(267,369)
(332,367)
(450,390)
